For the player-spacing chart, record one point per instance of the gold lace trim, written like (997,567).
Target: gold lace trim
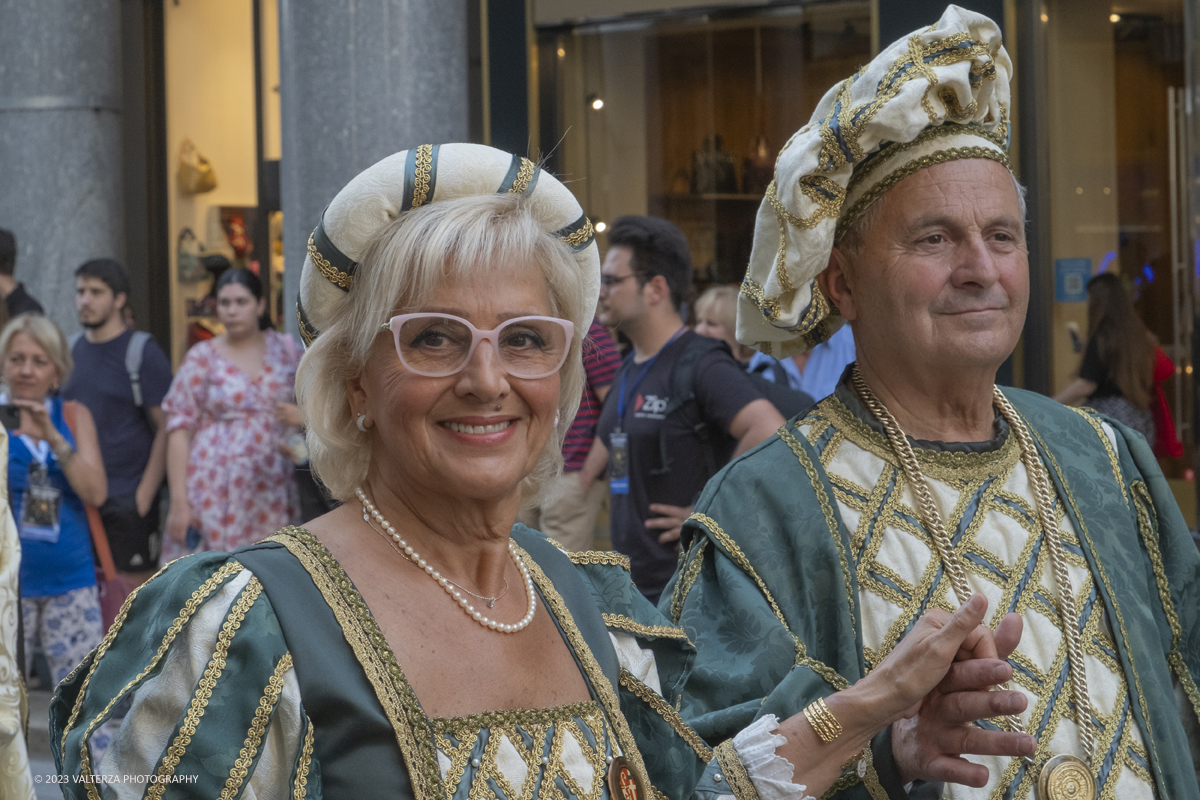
(937,464)
(423,173)
(638,629)
(1148,526)
(300,787)
(828,673)
(734,772)
(826,508)
(258,729)
(371,650)
(525,717)
(342,280)
(521,182)
(600,684)
(1108,449)
(204,689)
(229,569)
(1103,576)
(695,561)
(611,558)
(664,710)
(585,233)
(306,333)
(917,164)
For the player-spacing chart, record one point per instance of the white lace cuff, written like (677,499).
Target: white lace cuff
(771,774)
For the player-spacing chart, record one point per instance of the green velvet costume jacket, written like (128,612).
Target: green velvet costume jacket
(262,673)
(768,587)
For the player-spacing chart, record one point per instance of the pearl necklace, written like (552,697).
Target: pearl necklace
(405,549)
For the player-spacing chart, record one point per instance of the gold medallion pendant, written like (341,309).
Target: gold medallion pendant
(1066,777)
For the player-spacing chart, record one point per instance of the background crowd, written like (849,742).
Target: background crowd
(116,466)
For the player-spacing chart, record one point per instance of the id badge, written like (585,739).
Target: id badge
(618,462)
(40,506)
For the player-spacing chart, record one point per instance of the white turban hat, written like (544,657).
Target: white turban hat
(417,177)
(938,95)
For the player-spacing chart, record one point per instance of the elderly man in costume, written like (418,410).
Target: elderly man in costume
(917,483)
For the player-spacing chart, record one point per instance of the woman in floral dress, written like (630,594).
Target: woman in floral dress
(228,479)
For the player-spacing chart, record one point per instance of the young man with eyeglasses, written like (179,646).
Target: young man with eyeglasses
(661,433)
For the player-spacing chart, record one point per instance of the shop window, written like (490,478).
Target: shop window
(682,116)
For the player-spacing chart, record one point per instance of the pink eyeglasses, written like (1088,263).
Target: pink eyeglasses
(437,345)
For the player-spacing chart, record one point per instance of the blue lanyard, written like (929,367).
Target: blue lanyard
(623,398)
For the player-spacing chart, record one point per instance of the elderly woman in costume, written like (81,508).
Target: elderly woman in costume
(416,641)
(918,484)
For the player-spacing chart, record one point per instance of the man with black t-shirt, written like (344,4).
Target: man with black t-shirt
(121,376)
(680,407)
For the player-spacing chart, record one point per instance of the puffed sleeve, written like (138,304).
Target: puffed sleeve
(185,398)
(197,664)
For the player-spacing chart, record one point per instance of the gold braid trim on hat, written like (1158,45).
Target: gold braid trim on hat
(423,173)
(521,182)
(584,234)
(940,157)
(307,334)
(343,280)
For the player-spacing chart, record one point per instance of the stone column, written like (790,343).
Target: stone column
(360,81)
(60,141)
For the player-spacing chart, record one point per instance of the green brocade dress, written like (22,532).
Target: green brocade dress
(262,674)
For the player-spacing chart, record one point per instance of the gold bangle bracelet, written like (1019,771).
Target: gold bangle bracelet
(822,720)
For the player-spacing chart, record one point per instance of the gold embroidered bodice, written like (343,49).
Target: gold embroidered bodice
(561,753)
(987,502)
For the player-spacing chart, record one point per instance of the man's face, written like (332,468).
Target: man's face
(621,300)
(942,280)
(95,302)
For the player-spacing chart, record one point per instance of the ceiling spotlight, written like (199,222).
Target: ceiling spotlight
(601,227)
(562,52)
(597,104)
(1045,17)
(1114,17)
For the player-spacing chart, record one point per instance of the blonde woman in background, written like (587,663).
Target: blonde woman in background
(716,318)
(52,471)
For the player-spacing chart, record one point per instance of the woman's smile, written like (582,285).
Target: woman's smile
(480,431)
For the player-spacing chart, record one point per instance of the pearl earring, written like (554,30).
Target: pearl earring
(362,418)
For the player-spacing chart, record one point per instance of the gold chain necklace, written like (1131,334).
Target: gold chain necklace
(1063,776)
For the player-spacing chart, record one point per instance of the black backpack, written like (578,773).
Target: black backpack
(786,400)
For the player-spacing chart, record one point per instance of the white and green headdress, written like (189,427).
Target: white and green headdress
(414,178)
(938,95)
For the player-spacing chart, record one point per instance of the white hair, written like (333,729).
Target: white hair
(401,266)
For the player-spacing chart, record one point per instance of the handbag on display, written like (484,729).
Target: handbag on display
(196,175)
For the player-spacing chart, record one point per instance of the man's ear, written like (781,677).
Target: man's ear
(835,283)
(120,300)
(657,290)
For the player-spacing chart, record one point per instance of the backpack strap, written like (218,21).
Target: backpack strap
(133,363)
(683,392)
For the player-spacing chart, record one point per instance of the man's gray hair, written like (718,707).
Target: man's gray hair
(852,241)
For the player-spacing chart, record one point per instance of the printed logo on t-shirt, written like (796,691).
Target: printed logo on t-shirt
(650,407)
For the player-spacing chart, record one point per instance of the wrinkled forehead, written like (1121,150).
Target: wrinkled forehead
(964,192)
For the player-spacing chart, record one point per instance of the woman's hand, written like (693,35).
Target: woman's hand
(945,660)
(178,519)
(38,419)
(288,414)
